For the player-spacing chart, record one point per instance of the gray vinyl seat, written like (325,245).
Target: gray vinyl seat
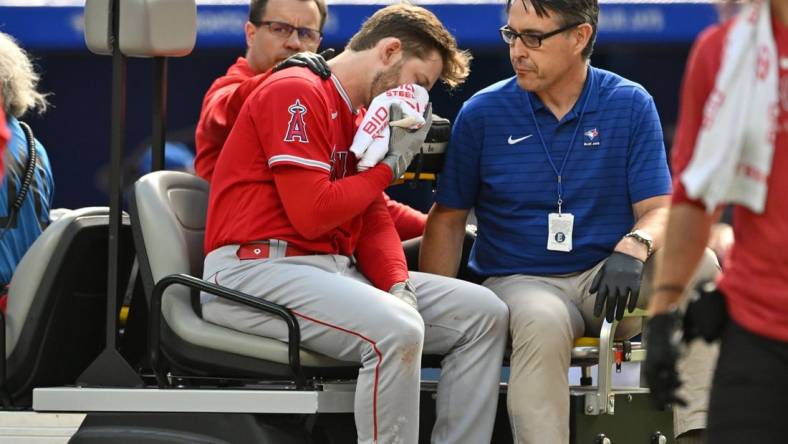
(55,318)
(168,221)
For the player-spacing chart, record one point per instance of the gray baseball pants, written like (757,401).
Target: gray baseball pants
(547,314)
(342,316)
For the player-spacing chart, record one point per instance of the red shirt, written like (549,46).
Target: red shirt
(285,173)
(755,280)
(220,109)
(5,136)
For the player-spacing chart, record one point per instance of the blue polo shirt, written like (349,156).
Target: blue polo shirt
(496,163)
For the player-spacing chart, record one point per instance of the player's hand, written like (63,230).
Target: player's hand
(404,143)
(663,333)
(618,284)
(315,62)
(405,292)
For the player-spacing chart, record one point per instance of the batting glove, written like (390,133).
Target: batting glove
(404,143)
(405,292)
(315,62)
(617,282)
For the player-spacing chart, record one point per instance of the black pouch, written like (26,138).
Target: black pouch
(707,313)
(430,159)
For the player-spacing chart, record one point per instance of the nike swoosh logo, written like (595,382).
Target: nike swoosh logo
(513,141)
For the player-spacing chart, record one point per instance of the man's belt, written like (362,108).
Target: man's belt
(263,250)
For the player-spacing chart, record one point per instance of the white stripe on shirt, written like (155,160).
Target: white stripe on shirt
(299,160)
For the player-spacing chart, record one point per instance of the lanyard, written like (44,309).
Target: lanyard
(571,143)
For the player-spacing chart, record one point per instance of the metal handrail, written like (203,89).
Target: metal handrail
(154,342)
(603,399)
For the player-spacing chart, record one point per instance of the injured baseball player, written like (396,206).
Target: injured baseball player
(292,220)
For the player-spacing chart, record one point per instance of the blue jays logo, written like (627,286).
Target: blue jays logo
(591,137)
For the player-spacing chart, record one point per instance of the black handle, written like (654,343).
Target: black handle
(293,329)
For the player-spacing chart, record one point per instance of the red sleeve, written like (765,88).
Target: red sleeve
(379,251)
(314,204)
(291,116)
(408,221)
(5,136)
(220,109)
(699,77)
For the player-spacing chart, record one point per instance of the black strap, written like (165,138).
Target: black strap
(30,168)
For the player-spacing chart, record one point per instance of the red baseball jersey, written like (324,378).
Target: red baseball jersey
(220,109)
(285,173)
(755,279)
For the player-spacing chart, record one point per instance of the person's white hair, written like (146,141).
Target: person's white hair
(18,80)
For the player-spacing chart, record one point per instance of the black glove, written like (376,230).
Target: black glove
(617,281)
(315,62)
(706,314)
(663,334)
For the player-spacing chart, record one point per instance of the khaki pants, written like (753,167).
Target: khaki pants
(547,314)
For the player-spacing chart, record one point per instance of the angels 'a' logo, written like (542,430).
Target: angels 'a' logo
(296,128)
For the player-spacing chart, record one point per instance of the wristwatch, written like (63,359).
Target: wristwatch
(644,238)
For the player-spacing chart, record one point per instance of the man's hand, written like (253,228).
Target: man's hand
(405,292)
(315,62)
(617,281)
(404,143)
(663,333)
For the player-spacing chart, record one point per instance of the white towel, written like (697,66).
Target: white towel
(733,152)
(371,142)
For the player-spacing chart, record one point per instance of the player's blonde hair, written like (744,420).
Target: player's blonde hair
(420,32)
(18,80)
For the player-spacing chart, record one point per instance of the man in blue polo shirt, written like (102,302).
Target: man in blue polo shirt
(565,167)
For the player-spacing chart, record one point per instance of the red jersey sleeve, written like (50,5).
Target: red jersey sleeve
(408,221)
(699,77)
(379,251)
(220,109)
(314,204)
(291,116)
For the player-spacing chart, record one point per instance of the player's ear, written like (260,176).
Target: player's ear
(249,30)
(389,50)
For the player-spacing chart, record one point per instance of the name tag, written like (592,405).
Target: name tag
(559,231)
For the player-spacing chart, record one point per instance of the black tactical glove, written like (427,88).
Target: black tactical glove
(617,281)
(663,334)
(315,62)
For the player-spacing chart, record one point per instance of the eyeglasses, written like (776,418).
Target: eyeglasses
(285,30)
(531,40)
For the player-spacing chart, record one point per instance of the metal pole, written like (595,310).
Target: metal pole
(159,112)
(118,131)
(110,369)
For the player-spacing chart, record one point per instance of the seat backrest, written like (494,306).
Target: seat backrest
(147,28)
(170,207)
(55,319)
